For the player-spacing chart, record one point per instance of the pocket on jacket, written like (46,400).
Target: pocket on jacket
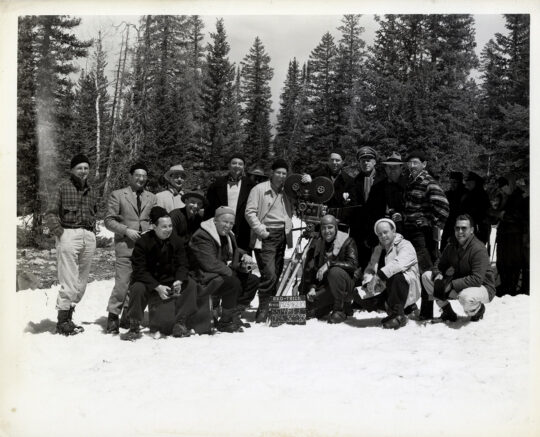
(69,213)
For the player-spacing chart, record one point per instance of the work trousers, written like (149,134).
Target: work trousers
(470,298)
(270,261)
(334,292)
(74,252)
(509,262)
(123,270)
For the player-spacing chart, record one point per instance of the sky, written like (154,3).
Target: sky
(283,36)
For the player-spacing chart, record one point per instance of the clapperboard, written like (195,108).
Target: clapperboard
(287,309)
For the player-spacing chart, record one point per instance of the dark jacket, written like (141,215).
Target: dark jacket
(359,216)
(470,264)
(344,255)
(156,261)
(344,183)
(217,196)
(515,217)
(476,204)
(207,250)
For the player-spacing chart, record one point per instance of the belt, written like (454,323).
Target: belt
(88,228)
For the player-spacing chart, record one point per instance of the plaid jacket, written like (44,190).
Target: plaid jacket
(73,205)
(425,202)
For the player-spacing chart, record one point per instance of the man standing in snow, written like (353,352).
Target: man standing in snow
(71,217)
(269,214)
(128,216)
(218,265)
(393,264)
(328,277)
(463,272)
(426,211)
(160,274)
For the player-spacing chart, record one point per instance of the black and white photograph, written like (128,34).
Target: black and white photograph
(268,219)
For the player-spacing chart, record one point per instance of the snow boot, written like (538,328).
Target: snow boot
(426,309)
(134,332)
(124,320)
(479,314)
(65,325)
(395,322)
(447,314)
(337,316)
(263,311)
(226,323)
(113,324)
(180,330)
(237,318)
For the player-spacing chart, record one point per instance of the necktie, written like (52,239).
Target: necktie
(139,202)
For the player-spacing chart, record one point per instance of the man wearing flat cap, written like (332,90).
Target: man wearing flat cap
(328,276)
(218,265)
(343,183)
(232,190)
(128,217)
(171,198)
(426,211)
(269,214)
(363,182)
(71,217)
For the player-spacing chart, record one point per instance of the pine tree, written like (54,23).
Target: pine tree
(256,93)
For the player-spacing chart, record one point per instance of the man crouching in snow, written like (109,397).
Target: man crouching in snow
(160,273)
(218,262)
(394,267)
(463,272)
(328,277)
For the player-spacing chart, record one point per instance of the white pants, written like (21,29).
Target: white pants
(469,298)
(74,252)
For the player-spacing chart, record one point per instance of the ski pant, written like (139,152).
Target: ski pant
(122,277)
(270,261)
(470,298)
(74,252)
(140,296)
(333,294)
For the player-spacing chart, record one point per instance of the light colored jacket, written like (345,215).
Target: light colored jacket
(168,200)
(260,200)
(400,258)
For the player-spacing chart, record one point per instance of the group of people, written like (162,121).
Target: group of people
(181,252)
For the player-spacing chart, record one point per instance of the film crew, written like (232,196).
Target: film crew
(221,267)
(363,182)
(387,197)
(343,183)
(160,275)
(475,202)
(511,235)
(128,216)
(269,214)
(257,175)
(393,264)
(454,195)
(463,272)
(71,217)
(232,190)
(171,197)
(426,211)
(327,280)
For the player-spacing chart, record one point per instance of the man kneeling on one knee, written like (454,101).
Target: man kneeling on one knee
(219,268)
(463,272)
(330,264)
(160,274)
(394,265)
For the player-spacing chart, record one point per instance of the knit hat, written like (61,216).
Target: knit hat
(138,166)
(384,220)
(78,159)
(417,154)
(280,163)
(224,210)
(156,213)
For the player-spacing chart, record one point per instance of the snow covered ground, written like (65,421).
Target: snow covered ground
(354,379)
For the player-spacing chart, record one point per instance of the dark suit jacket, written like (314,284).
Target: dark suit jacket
(217,196)
(156,261)
(344,183)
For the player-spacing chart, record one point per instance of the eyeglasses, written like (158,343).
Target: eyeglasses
(461,228)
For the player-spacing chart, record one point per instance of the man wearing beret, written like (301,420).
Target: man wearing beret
(171,198)
(269,214)
(160,275)
(463,272)
(363,182)
(128,217)
(232,190)
(218,268)
(426,211)
(71,217)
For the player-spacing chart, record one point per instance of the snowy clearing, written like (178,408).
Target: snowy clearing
(316,380)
